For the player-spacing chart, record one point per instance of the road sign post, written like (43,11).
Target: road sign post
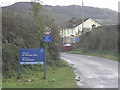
(46,38)
(45,66)
(18,67)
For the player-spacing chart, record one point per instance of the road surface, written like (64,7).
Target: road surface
(93,72)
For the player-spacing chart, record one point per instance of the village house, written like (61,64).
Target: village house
(72,29)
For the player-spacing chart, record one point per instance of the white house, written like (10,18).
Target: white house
(73,29)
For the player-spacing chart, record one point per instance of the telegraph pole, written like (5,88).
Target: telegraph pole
(82,17)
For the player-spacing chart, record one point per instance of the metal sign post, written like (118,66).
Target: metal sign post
(45,66)
(18,67)
(46,38)
(45,63)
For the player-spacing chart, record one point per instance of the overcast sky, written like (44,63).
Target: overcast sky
(111,4)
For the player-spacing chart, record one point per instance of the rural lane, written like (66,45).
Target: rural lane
(93,72)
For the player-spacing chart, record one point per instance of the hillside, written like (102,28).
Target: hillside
(63,13)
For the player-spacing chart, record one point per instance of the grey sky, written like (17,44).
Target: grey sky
(111,4)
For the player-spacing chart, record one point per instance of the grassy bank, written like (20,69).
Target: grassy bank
(103,54)
(58,76)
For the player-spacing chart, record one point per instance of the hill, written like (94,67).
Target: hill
(61,14)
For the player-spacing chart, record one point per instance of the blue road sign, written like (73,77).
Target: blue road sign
(78,39)
(47,38)
(31,56)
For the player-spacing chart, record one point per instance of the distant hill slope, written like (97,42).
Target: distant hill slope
(62,14)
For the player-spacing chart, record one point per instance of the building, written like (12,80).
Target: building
(73,29)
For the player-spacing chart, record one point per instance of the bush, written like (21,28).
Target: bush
(103,38)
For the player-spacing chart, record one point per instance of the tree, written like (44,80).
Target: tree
(42,20)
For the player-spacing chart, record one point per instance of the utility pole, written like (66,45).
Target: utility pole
(82,17)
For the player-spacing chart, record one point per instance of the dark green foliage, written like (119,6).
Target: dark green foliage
(104,38)
(21,32)
(17,33)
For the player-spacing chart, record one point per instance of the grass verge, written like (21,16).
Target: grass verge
(103,54)
(58,76)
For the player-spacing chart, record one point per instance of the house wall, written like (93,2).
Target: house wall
(88,24)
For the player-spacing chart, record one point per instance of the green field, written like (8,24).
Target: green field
(58,76)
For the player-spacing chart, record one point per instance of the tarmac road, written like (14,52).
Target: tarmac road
(93,72)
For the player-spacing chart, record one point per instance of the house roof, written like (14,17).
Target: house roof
(73,23)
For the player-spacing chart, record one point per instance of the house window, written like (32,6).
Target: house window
(93,26)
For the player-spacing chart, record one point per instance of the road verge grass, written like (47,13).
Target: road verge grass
(103,54)
(59,75)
